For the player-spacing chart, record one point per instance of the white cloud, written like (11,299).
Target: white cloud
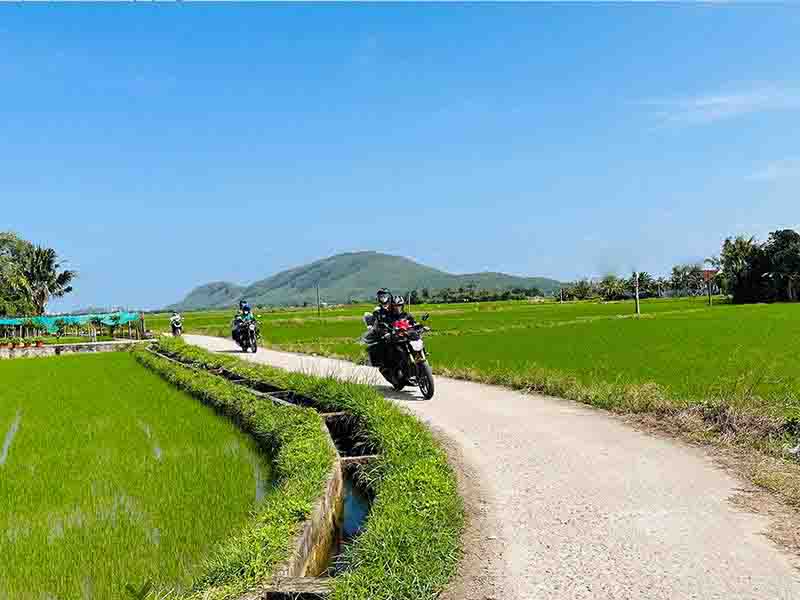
(709,108)
(779,169)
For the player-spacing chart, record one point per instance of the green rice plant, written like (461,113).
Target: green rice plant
(411,544)
(295,437)
(110,476)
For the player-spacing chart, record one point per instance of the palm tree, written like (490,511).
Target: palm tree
(646,283)
(612,287)
(45,277)
(14,289)
(662,283)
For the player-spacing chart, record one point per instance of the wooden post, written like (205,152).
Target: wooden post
(319,312)
(636,292)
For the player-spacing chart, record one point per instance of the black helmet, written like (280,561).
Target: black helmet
(242,303)
(384,297)
(397,304)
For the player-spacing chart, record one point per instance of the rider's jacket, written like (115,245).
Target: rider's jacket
(175,320)
(382,316)
(243,317)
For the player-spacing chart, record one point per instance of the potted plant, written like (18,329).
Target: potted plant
(26,343)
(39,342)
(4,343)
(14,341)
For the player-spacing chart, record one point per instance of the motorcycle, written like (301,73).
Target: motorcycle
(246,335)
(405,361)
(177,327)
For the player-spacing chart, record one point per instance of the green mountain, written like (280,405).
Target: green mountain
(349,276)
(218,294)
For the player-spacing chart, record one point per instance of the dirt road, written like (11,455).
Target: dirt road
(569,503)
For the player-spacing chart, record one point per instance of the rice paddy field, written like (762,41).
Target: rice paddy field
(109,476)
(692,350)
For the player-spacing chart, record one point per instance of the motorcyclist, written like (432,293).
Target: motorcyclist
(176,321)
(244,316)
(376,323)
(397,311)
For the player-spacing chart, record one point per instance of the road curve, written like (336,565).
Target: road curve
(579,505)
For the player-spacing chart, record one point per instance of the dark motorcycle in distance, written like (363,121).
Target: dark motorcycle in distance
(246,335)
(405,361)
(177,326)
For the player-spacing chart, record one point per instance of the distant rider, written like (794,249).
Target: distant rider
(244,316)
(176,321)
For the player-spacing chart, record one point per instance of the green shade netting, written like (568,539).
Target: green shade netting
(49,323)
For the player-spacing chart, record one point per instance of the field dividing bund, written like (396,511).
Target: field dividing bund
(339,514)
(410,545)
(110,476)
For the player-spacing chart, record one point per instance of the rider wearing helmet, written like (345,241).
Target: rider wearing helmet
(397,310)
(382,311)
(244,315)
(176,322)
(376,322)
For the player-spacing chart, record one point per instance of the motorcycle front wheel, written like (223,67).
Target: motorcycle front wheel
(425,380)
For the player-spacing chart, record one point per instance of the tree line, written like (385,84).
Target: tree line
(754,271)
(747,270)
(30,275)
(685,280)
(470,293)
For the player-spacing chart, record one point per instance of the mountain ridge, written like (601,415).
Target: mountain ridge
(348,276)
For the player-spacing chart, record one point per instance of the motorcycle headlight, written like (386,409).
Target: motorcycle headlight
(252,327)
(417,345)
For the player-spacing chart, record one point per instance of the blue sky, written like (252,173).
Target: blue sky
(158,147)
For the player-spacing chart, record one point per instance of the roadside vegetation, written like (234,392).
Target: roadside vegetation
(110,476)
(410,546)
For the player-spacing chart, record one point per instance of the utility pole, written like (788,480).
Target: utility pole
(319,311)
(636,291)
(561,293)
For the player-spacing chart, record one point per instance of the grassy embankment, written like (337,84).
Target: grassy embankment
(410,546)
(302,459)
(102,459)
